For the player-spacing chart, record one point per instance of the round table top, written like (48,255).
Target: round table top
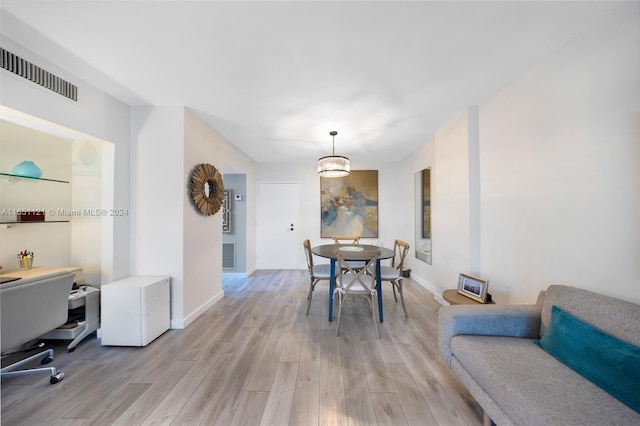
(327,250)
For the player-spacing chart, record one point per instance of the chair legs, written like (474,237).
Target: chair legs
(338,292)
(55,376)
(374,311)
(312,286)
(373,302)
(398,283)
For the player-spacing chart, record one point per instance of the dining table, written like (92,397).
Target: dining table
(327,251)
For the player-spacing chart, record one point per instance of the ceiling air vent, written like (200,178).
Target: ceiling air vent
(34,73)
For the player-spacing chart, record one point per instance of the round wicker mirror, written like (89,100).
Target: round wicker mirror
(207,189)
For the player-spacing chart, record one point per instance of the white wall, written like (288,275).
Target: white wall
(422,158)
(87,194)
(157,181)
(96,116)
(392,193)
(559,150)
(203,234)
(450,203)
(559,174)
(168,236)
(50,242)
(154,194)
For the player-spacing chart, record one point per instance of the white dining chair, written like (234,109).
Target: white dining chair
(357,281)
(393,273)
(346,239)
(316,272)
(349,240)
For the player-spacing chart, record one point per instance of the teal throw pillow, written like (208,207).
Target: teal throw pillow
(603,359)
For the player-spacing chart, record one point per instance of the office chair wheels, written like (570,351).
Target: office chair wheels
(55,379)
(46,360)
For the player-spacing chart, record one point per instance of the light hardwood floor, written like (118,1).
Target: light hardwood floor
(255,358)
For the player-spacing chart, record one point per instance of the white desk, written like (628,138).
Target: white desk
(89,298)
(41,272)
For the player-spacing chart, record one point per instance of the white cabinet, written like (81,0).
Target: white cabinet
(135,310)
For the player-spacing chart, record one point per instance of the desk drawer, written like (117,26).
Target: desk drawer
(156,302)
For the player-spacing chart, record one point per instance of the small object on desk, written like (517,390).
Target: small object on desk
(25,259)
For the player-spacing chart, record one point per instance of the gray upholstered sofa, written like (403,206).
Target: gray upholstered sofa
(492,351)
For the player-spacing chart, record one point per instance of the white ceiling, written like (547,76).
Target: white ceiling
(275,77)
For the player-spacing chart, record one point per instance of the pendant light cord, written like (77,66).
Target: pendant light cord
(333,134)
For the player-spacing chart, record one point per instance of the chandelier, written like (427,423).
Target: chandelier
(333,165)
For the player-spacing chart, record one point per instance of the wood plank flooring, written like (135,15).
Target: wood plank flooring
(255,358)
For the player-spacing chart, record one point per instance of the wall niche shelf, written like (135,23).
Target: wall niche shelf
(10,179)
(11,176)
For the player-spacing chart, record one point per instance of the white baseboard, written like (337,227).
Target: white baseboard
(440,300)
(427,285)
(432,289)
(234,275)
(184,323)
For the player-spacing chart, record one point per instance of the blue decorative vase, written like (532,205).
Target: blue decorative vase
(27,169)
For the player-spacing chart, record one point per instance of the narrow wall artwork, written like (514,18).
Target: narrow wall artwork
(426,203)
(349,205)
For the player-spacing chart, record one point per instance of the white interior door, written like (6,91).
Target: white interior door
(277,226)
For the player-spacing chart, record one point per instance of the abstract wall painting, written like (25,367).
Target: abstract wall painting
(349,205)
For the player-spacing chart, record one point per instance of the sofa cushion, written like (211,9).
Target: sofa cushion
(532,387)
(603,359)
(614,316)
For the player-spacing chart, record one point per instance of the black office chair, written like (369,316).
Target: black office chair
(30,308)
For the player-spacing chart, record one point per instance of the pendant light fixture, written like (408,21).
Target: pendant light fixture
(333,165)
